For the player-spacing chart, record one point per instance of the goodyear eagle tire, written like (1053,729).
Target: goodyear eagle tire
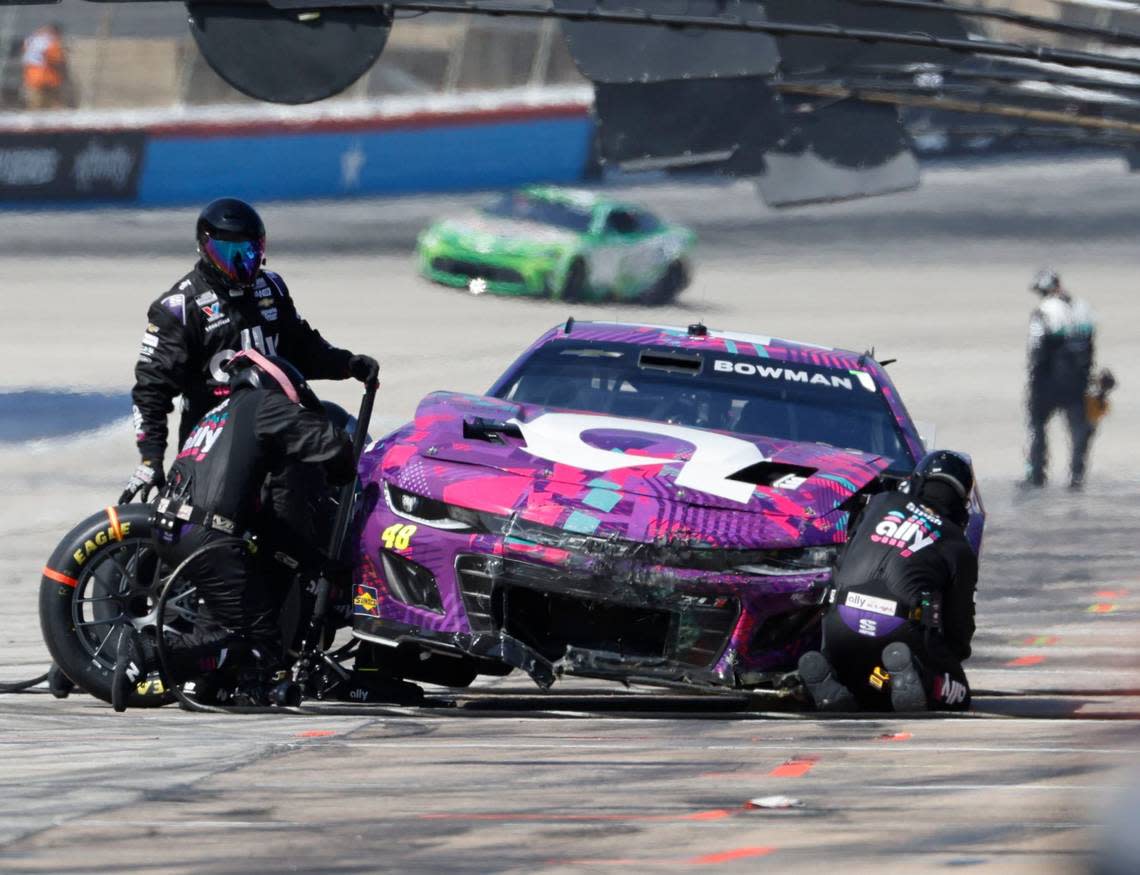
(103,574)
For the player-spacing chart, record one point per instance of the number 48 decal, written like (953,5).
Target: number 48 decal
(398,536)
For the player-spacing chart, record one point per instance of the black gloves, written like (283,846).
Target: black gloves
(148,475)
(365,369)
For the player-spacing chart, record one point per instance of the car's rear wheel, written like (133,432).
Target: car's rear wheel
(574,286)
(672,282)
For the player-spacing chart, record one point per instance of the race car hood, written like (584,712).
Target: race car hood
(634,478)
(485,233)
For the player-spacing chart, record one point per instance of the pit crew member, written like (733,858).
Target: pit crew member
(227,303)
(271,421)
(1061,341)
(902,616)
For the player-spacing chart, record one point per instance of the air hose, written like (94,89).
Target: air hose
(23,686)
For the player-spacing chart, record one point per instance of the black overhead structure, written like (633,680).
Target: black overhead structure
(815,99)
(296,58)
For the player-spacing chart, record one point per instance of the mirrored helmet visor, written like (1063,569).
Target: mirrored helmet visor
(237,259)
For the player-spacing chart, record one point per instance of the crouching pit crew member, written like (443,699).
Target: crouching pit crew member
(227,303)
(902,616)
(216,494)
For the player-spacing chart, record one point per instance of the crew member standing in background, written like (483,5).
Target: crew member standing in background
(1061,335)
(45,69)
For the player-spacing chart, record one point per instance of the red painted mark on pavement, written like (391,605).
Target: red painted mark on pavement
(714,814)
(1040,640)
(1101,608)
(794,768)
(729,856)
(1111,593)
(895,736)
(1026,660)
(316,733)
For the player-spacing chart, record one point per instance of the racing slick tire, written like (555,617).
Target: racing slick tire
(104,573)
(574,286)
(672,283)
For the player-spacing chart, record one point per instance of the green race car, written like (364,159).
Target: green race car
(543,241)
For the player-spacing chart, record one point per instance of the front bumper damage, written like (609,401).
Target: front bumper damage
(603,611)
(505,649)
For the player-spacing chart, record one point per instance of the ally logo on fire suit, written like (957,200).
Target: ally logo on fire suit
(911,532)
(202,439)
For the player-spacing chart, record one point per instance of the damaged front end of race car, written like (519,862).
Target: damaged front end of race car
(558,603)
(486,549)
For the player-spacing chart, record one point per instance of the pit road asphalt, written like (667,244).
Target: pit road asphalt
(591,776)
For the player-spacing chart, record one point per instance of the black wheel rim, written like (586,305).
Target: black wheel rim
(115,588)
(120,587)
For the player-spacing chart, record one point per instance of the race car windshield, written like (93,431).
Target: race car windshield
(740,394)
(527,208)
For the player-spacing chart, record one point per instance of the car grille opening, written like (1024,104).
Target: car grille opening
(475,578)
(474,270)
(704,627)
(550,611)
(550,623)
(783,630)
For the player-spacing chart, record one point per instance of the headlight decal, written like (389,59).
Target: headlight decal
(439,514)
(418,508)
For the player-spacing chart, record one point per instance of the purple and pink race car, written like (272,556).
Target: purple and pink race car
(631,502)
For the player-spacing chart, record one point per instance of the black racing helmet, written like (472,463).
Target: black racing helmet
(249,369)
(945,466)
(231,240)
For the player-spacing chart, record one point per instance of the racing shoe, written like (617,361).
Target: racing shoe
(134,660)
(907,692)
(262,681)
(826,693)
(205,690)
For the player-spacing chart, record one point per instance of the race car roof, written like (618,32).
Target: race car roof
(575,197)
(701,338)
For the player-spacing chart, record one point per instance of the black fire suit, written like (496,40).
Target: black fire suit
(904,555)
(195,328)
(214,496)
(1061,337)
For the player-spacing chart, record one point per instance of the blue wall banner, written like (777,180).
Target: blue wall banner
(490,150)
(180,156)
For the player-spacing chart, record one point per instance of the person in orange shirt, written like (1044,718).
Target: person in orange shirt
(45,68)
